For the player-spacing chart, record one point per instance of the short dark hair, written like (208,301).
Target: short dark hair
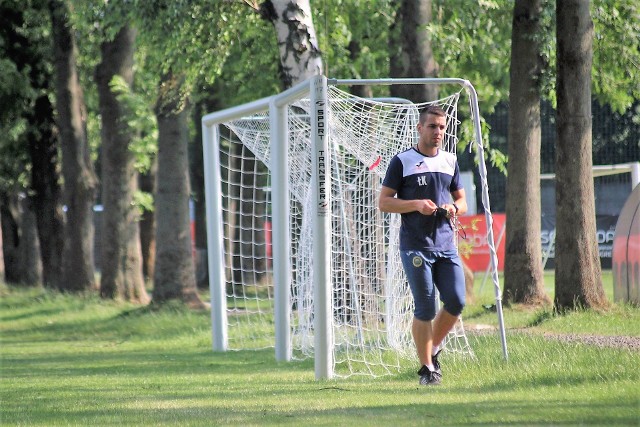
(431,109)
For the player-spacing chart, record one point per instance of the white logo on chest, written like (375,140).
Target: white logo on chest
(422,180)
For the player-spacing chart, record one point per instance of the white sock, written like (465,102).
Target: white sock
(431,367)
(435,349)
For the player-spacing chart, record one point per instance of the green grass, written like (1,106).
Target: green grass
(79,360)
(619,319)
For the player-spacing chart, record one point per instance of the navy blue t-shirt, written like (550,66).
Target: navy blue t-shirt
(416,176)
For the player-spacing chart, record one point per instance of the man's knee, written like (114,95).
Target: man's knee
(425,311)
(455,307)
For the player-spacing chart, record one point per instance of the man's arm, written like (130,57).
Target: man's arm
(460,201)
(389,203)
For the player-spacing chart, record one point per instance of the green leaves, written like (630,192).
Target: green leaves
(472,40)
(25,75)
(141,119)
(616,53)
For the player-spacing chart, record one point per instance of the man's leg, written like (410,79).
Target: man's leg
(422,335)
(417,267)
(449,273)
(442,324)
(423,338)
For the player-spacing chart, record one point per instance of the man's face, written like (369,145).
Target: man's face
(432,130)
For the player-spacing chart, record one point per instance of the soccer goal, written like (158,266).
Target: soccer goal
(299,256)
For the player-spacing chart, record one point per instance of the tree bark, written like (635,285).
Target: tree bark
(27,99)
(46,191)
(174,271)
(300,56)
(523,250)
(410,51)
(121,253)
(10,238)
(20,247)
(578,272)
(31,274)
(147,182)
(80,181)
(198,190)
(363,91)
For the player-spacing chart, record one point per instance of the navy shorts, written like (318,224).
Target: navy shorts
(442,269)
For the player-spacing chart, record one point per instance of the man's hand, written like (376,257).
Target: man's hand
(426,206)
(451,210)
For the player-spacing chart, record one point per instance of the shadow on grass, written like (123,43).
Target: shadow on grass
(297,404)
(31,313)
(541,317)
(78,361)
(95,322)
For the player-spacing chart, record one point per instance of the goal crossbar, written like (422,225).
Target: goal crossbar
(316,91)
(604,170)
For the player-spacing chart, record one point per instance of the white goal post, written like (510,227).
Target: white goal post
(328,288)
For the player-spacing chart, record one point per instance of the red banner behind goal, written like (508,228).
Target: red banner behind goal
(475,227)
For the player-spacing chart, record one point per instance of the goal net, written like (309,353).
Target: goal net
(347,304)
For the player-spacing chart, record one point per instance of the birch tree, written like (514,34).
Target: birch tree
(300,56)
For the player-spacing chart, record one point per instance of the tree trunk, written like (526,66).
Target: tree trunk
(121,253)
(9,218)
(174,271)
(523,278)
(300,56)
(1,244)
(80,181)
(410,51)
(578,273)
(29,245)
(46,193)
(148,224)
(363,91)
(197,186)
(20,247)
(26,49)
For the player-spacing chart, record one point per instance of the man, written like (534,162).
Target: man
(425,178)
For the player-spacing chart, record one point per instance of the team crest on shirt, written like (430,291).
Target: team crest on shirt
(417,261)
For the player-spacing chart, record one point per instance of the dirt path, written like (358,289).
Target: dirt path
(623,341)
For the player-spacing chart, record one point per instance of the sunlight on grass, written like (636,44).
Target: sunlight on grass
(619,319)
(484,287)
(80,360)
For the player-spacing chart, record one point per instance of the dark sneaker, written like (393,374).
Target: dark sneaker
(428,377)
(434,360)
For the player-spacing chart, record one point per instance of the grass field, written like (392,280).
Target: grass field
(79,360)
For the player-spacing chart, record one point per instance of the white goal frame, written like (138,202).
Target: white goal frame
(316,90)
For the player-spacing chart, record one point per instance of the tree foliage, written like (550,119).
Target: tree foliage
(142,122)
(25,72)
(472,40)
(187,37)
(616,53)
(226,54)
